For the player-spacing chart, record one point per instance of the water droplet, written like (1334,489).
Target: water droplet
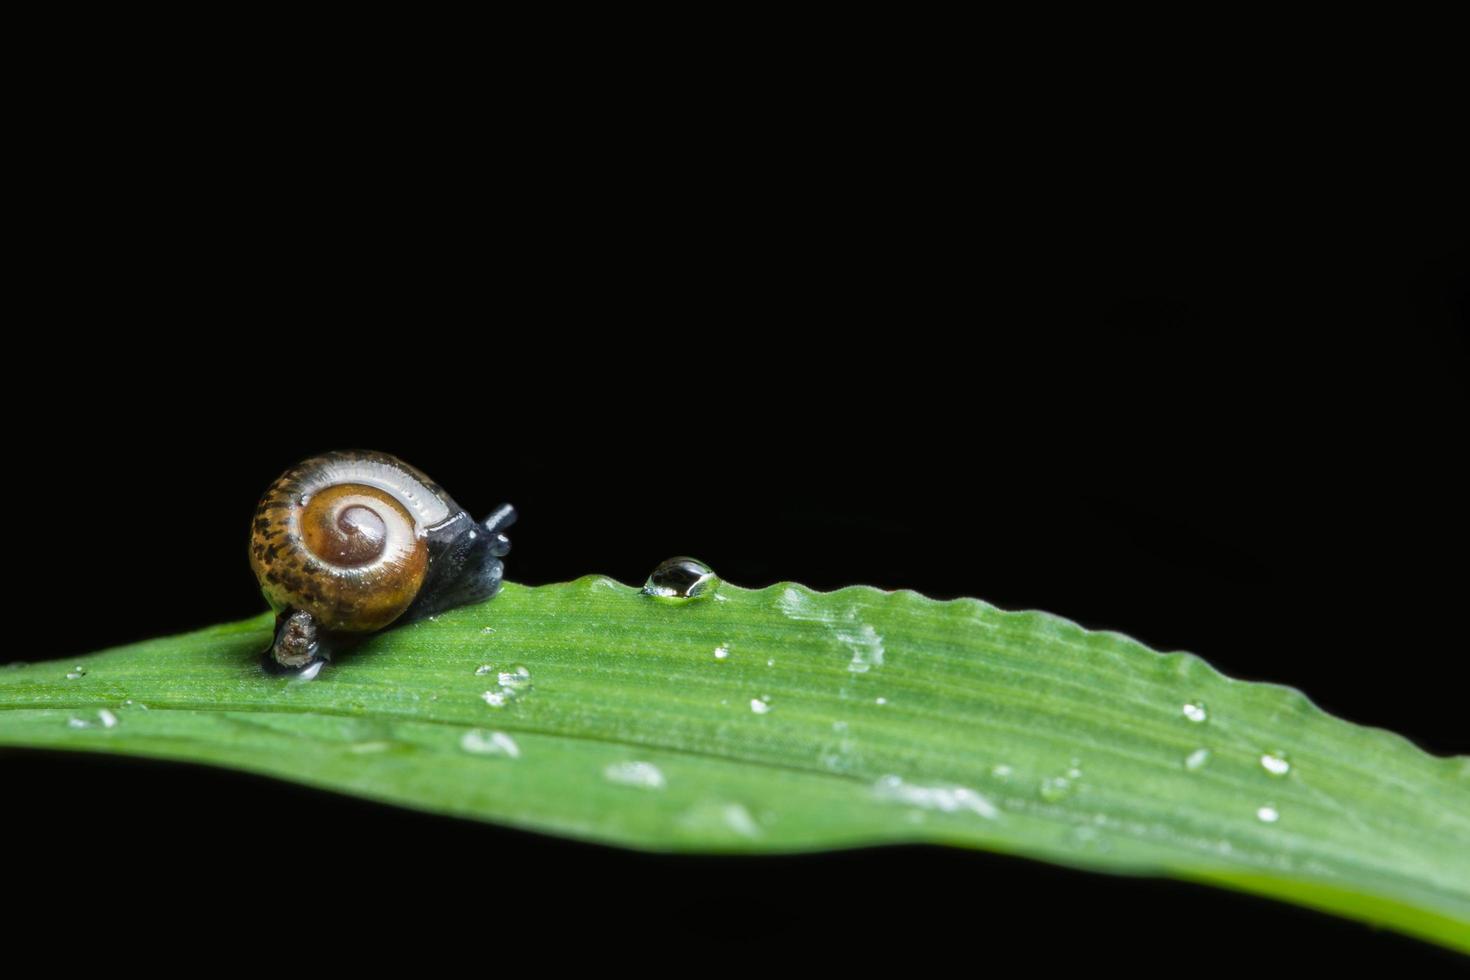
(863,642)
(108,719)
(1054,788)
(1275,763)
(369,748)
(738,819)
(1267,814)
(309,672)
(644,775)
(1197,760)
(760,706)
(1195,711)
(1089,837)
(880,701)
(77,723)
(1001,771)
(948,799)
(722,651)
(509,685)
(76,673)
(681,578)
(839,726)
(771,662)
(478,741)
(516,677)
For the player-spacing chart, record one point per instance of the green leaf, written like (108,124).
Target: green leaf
(787,720)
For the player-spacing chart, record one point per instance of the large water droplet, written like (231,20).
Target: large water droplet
(644,775)
(1195,711)
(1276,764)
(681,578)
(1197,760)
(1267,814)
(478,741)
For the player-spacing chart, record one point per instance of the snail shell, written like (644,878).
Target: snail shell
(350,542)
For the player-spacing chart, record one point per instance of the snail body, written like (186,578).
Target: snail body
(348,543)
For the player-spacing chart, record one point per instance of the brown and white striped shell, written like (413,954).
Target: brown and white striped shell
(342,536)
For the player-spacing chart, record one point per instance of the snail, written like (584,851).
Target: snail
(348,543)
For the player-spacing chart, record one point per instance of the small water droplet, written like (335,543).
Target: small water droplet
(516,677)
(722,651)
(495,699)
(644,775)
(1197,760)
(309,672)
(77,723)
(1195,711)
(1054,788)
(839,726)
(76,673)
(681,578)
(369,748)
(1001,771)
(947,799)
(1088,837)
(1275,763)
(760,706)
(108,719)
(1267,814)
(771,662)
(880,701)
(488,630)
(484,669)
(478,741)
(739,820)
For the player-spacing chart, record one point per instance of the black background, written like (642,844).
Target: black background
(1221,408)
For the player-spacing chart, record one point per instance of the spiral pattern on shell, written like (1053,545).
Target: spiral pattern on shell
(342,536)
